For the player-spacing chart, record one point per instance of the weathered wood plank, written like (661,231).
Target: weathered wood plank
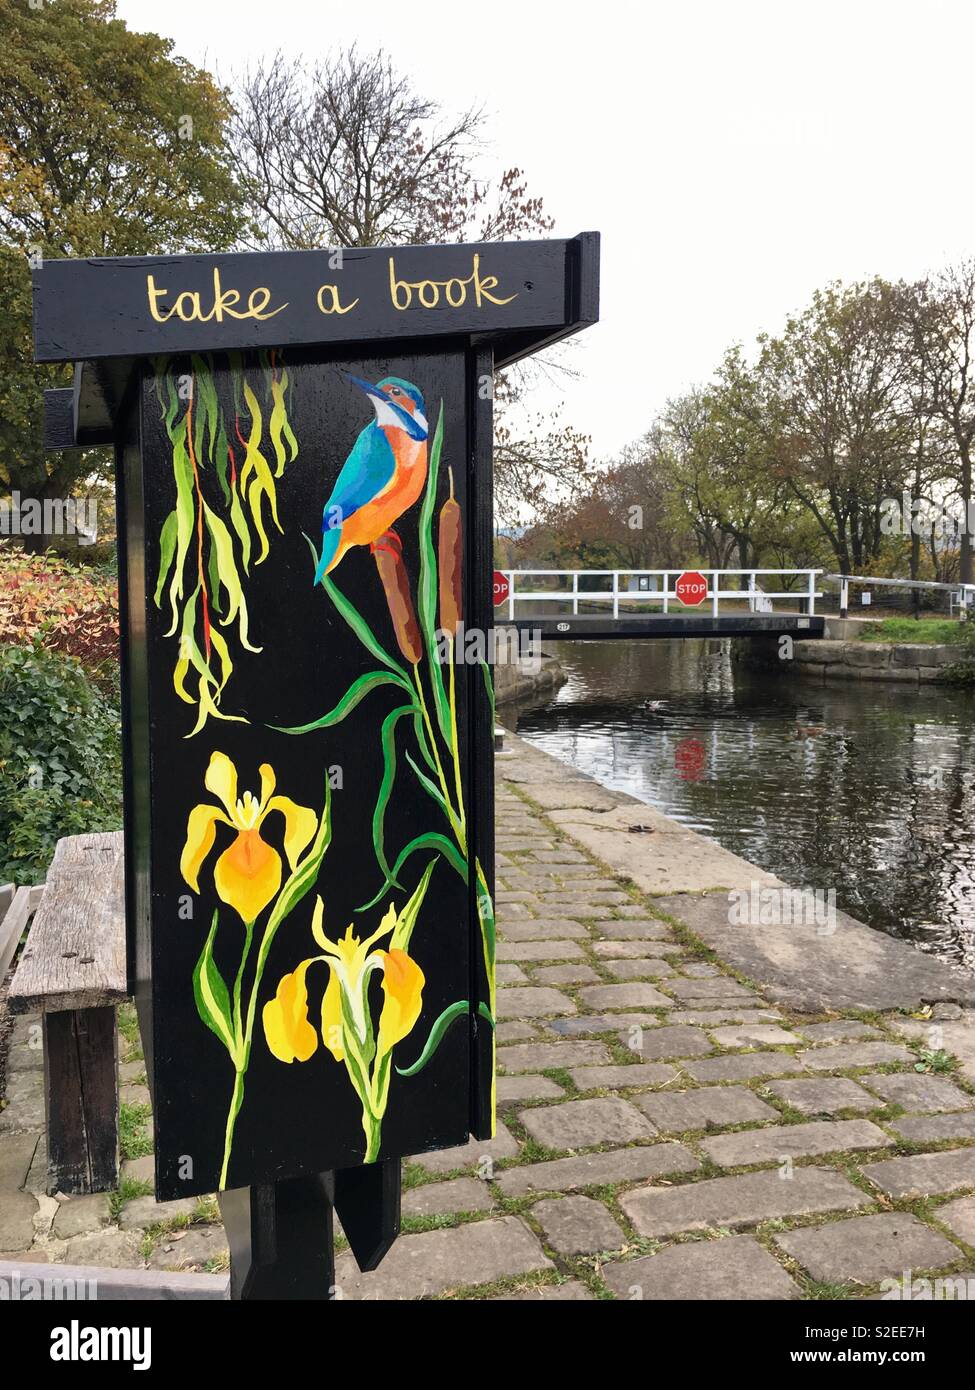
(12,926)
(75,954)
(7,891)
(81,1097)
(116,1284)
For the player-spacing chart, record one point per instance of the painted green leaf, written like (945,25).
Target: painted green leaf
(387,740)
(430,840)
(211,994)
(427,587)
(356,692)
(436,1036)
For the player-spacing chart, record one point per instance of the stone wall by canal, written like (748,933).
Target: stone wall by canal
(827,659)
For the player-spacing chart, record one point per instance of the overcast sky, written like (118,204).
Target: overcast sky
(735,154)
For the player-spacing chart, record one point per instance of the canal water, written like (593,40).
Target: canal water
(865,788)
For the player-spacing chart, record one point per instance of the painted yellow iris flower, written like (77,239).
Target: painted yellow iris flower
(247,875)
(347,1028)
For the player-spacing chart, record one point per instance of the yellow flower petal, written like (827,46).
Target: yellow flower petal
(403,983)
(332,1027)
(289,1034)
(248,874)
(221,779)
(201,828)
(300,824)
(268,783)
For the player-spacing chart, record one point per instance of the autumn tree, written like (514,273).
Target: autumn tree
(346,152)
(943,340)
(836,412)
(110,145)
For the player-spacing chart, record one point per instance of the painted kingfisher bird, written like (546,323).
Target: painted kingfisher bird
(384,473)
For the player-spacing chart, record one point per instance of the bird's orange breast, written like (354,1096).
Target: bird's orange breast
(408,480)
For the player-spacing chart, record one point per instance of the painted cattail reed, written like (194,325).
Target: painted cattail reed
(450,551)
(388,550)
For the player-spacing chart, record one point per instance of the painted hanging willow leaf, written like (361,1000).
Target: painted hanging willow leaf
(225,504)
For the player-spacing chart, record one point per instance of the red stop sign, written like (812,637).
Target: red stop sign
(691,588)
(501,587)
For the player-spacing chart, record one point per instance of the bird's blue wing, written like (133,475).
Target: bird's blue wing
(367,470)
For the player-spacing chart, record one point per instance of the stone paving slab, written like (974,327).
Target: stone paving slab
(811,1139)
(545,929)
(598,1169)
(510,974)
(619,1077)
(735,1267)
(744,1066)
(823,1095)
(542,1056)
(636,968)
(934,1129)
(959,1217)
(718,987)
(840,1030)
(447,1198)
(739,1201)
(578,1225)
(80,1215)
(754,1035)
(919,1093)
(853,967)
(581,1124)
(633,950)
(539,950)
(678,1041)
(629,996)
(924,1175)
(533,1002)
(585,1024)
(868,1248)
(705,1108)
(843,1056)
(740,1013)
(634,929)
(531,1086)
(568,974)
(515,1030)
(436,1261)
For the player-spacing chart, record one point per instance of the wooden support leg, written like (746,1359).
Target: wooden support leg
(81,1100)
(280,1237)
(281,1234)
(367,1201)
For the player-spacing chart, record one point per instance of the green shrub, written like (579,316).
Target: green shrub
(60,759)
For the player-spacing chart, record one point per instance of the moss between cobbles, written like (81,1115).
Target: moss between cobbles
(134,1140)
(127,1191)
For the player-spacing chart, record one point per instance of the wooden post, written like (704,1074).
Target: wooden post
(81,1090)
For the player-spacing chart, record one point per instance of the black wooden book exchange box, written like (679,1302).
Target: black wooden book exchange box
(303,463)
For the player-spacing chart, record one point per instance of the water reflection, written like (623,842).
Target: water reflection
(865,788)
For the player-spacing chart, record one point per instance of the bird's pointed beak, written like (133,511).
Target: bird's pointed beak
(366,386)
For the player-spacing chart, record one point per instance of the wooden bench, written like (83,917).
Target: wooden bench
(72,969)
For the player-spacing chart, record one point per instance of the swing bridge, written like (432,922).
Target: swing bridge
(572,604)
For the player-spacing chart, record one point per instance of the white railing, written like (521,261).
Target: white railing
(961,597)
(758,598)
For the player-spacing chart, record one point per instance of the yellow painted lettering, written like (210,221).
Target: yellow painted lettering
(329,301)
